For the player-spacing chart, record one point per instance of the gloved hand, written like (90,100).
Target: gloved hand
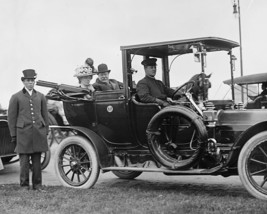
(162,103)
(14,139)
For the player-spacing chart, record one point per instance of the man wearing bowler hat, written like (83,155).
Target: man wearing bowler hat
(103,83)
(150,90)
(28,125)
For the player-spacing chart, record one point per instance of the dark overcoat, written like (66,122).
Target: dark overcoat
(104,86)
(28,121)
(149,89)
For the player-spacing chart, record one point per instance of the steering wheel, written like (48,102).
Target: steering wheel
(187,87)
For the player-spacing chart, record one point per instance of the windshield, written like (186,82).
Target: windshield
(183,67)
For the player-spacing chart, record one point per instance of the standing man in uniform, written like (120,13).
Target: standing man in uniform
(28,125)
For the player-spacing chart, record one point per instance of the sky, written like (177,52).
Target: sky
(55,36)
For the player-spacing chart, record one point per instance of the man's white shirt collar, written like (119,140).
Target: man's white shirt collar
(29,91)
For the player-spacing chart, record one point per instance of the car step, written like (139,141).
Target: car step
(165,170)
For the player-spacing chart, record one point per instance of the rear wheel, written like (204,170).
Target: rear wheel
(51,134)
(252,165)
(76,163)
(45,159)
(127,174)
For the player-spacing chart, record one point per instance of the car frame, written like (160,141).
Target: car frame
(115,132)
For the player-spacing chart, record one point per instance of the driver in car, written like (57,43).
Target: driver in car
(151,90)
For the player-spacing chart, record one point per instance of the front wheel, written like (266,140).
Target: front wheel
(76,163)
(252,165)
(127,174)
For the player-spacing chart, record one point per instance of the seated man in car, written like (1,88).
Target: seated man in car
(151,90)
(103,83)
(264,88)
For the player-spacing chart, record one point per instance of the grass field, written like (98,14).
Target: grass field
(131,197)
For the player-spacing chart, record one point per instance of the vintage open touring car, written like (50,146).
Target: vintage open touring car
(115,132)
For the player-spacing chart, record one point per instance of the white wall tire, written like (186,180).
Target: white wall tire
(252,165)
(45,159)
(76,163)
(127,174)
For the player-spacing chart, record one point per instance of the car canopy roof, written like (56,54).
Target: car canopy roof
(248,79)
(179,47)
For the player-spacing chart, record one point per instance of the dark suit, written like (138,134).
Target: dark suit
(28,121)
(149,89)
(104,86)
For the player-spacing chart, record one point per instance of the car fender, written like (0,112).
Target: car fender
(103,154)
(242,139)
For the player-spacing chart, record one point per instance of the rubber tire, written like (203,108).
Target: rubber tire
(46,160)
(127,174)
(90,151)
(242,164)
(153,126)
(51,135)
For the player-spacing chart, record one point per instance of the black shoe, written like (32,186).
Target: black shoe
(39,189)
(25,187)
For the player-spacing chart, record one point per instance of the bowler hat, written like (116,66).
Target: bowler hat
(149,62)
(28,74)
(102,68)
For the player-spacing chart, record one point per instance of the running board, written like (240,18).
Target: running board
(165,170)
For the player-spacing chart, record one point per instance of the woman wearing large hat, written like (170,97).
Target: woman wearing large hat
(85,73)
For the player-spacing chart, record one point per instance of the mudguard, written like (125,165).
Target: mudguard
(105,159)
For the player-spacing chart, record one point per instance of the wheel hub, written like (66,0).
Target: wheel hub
(75,164)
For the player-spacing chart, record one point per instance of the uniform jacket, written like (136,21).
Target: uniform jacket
(148,89)
(28,121)
(103,86)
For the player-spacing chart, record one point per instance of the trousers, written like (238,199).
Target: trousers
(35,160)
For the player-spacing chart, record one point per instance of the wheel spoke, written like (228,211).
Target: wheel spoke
(82,156)
(68,152)
(264,181)
(66,158)
(65,165)
(258,172)
(78,177)
(68,172)
(263,151)
(86,162)
(82,174)
(258,161)
(73,151)
(72,177)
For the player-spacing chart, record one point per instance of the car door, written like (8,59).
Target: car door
(112,117)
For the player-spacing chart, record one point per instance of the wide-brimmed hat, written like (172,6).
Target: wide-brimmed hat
(83,71)
(28,74)
(102,68)
(149,62)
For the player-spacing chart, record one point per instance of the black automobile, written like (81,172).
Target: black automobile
(115,132)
